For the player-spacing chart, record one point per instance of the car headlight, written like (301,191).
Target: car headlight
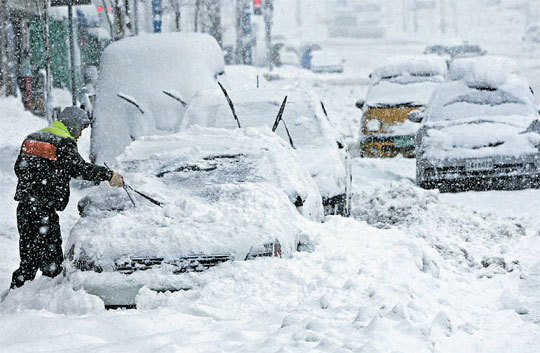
(429,173)
(82,261)
(373,125)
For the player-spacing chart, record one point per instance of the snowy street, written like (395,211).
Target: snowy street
(412,270)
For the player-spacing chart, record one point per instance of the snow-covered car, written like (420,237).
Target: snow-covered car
(454,51)
(225,194)
(135,72)
(316,143)
(327,61)
(480,131)
(399,86)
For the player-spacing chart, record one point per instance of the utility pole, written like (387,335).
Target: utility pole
(135,17)
(213,17)
(5,70)
(175,4)
(268,14)
(243,32)
(72,55)
(3,47)
(197,14)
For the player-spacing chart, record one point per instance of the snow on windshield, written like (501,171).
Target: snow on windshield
(456,100)
(310,130)
(403,90)
(258,108)
(187,63)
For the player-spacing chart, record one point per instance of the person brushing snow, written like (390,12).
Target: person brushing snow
(48,160)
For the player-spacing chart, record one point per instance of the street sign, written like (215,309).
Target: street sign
(70,2)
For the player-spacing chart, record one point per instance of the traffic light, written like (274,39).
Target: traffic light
(257,10)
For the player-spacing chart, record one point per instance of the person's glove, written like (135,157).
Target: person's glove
(117,180)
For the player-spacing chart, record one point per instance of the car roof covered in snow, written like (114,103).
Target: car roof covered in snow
(142,68)
(405,81)
(311,131)
(223,192)
(413,65)
(483,72)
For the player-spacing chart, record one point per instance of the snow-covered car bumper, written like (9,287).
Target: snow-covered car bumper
(384,146)
(479,173)
(118,283)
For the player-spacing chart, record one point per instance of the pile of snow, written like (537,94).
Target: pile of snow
(53,295)
(467,239)
(143,67)
(414,65)
(16,122)
(310,130)
(484,71)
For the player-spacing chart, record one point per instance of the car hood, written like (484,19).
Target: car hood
(230,219)
(480,137)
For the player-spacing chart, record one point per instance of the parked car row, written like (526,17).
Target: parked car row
(237,170)
(472,127)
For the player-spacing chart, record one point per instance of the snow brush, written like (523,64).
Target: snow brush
(127,187)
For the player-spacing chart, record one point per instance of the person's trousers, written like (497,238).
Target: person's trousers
(40,244)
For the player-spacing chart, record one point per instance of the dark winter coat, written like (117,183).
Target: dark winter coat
(47,161)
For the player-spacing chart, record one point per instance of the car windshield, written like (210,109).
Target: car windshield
(302,122)
(402,90)
(480,102)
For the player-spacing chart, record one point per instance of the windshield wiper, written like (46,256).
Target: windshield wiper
(279,119)
(231,105)
(130,100)
(176,96)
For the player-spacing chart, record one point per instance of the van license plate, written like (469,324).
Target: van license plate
(479,165)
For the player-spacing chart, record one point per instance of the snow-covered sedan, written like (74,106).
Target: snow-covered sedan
(480,131)
(399,86)
(315,141)
(326,61)
(224,194)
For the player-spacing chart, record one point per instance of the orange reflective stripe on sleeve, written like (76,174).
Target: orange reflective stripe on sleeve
(39,149)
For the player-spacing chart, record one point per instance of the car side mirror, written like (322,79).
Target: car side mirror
(416,116)
(360,103)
